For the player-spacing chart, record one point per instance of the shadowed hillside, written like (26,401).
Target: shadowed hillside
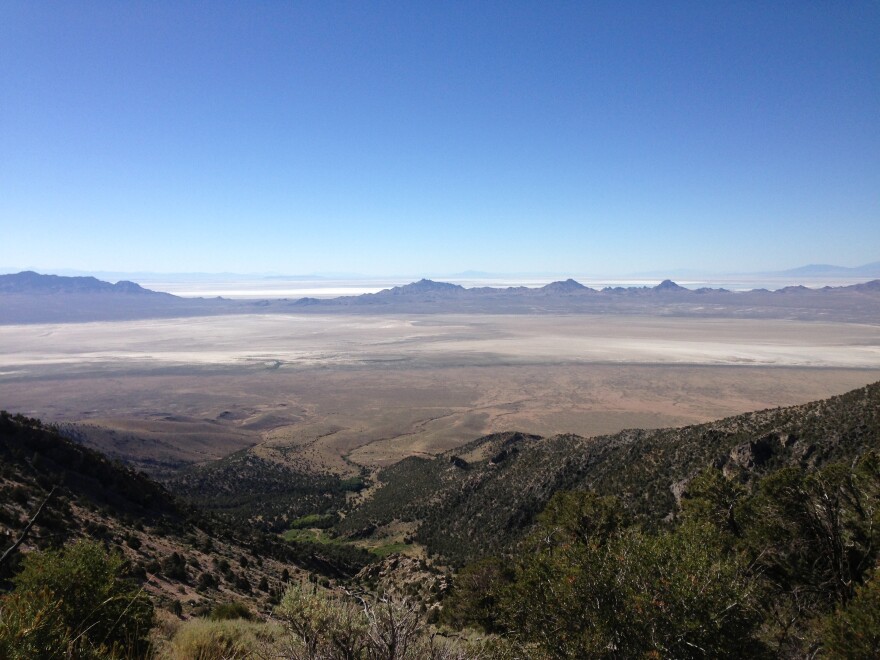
(182,553)
(252,490)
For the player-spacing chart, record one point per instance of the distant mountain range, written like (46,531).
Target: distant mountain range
(29,282)
(30,297)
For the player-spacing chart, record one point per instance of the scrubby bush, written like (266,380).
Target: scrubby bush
(853,632)
(333,626)
(232,610)
(585,586)
(31,626)
(206,581)
(174,567)
(75,600)
(786,568)
(201,639)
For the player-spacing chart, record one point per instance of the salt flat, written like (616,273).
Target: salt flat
(291,341)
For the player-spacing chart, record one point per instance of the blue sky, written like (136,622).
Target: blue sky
(409,137)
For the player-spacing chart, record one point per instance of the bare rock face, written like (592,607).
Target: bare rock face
(503,454)
(678,489)
(459,462)
(754,453)
(786,439)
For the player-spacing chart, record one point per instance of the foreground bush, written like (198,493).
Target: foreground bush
(784,569)
(585,588)
(332,626)
(853,632)
(75,602)
(232,610)
(31,627)
(232,639)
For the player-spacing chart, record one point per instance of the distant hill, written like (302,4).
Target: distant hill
(30,297)
(482,497)
(856,303)
(809,271)
(567,287)
(669,285)
(871,270)
(29,282)
(422,287)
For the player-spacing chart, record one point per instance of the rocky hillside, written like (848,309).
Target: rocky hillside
(182,554)
(482,497)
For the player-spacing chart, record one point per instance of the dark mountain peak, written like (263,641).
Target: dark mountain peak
(567,286)
(794,289)
(125,286)
(669,285)
(424,286)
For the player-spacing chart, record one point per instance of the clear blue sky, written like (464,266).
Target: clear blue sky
(412,137)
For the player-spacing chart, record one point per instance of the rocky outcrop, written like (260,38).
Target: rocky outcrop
(752,454)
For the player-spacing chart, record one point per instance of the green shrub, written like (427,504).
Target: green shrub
(201,639)
(207,581)
(331,626)
(854,631)
(75,599)
(233,610)
(31,626)
(672,594)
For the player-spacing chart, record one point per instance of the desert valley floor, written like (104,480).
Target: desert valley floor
(342,391)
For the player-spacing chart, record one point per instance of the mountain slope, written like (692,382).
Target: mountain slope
(181,553)
(30,297)
(29,282)
(480,498)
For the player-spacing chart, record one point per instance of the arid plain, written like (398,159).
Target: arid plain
(341,391)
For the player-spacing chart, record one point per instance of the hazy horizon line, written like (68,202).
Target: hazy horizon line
(475,274)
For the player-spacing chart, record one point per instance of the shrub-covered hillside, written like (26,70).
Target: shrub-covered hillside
(481,498)
(248,489)
(186,558)
(782,567)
